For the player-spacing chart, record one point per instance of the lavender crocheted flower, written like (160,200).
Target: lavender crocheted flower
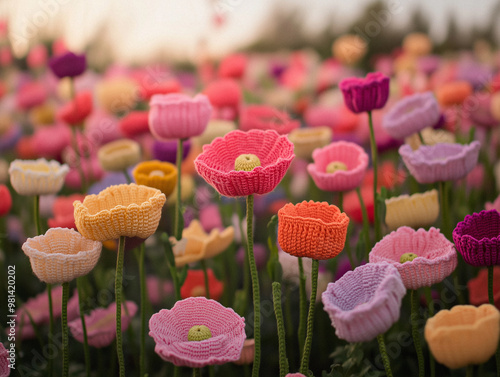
(365,302)
(436,256)
(411,114)
(440,162)
(170,328)
(477,238)
(365,94)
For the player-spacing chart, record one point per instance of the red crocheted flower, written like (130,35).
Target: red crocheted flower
(75,112)
(135,123)
(194,285)
(5,200)
(478,288)
(216,163)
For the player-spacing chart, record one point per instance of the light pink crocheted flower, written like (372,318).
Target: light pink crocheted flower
(101,324)
(4,362)
(436,256)
(493,205)
(216,163)
(169,329)
(440,162)
(351,154)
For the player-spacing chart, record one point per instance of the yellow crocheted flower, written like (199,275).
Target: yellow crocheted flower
(431,137)
(122,210)
(417,210)
(119,155)
(306,140)
(117,95)
(61,255)
(196,244)
(37,177)
(157,174)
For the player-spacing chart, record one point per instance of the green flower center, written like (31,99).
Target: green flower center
(198,333)
(335,166)
(246,162)
(407,257)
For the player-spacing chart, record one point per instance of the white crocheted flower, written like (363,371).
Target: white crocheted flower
(37,177)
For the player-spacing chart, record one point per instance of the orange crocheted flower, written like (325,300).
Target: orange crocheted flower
(156,174)
(312,229)
(122,210)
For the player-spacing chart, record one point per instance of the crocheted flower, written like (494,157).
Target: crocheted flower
(135,123)
(431,137)
(351,155)
(68,64)
(61,255)
(477,238)
(167,150)
(306,140)
(453,93)
(478,288)
(37,177)
(196,244)
(464,335)
(312,229)
(157,174)
(77,110)
(101,324)
(122,210)
(215,128)
(117,95)
(417,210)
(119,155)
(440,162)
(177,116)
(411,114)
(63,212)
(247,353)
(349,48)
(365,94)
(4,362)
(158,289)
(365,302)
(436,256)
(263,117)
(5,200)
(170,328)
(194,285)
(216,163)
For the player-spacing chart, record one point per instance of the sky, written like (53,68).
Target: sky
(139,30)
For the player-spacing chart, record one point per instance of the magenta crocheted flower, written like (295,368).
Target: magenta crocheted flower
(477,238)
(4,362)
(411,114)
(436,256)
(365,94)
(440,162)
(216,164)
(170,328)
(351,155)
(365,302)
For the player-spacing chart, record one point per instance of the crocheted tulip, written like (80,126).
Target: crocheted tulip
(194,285)
(477,238)
(263,117)
(215,128)
(61,255)
(430,137)
(37,177)
(312,229)
(169,329)
(216,163)
(365,94)
(440,162)
(306,140)
(5,200)
(117,95)
(411,115)
(76,111)
(156,174)
(119,155)
(177,116)
(101,324)
(478,288)
(436,256)
(351,155)
(167,150)
(122,210)
(453,93)
(464,335)
(417,210)
(63,212)
(365,302)
(68,65)
(134,123)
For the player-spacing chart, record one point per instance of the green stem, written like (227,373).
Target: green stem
(142,278)
(416,334)
(205,274)
(491,300)
(422,142)
(74,141)
(171,265)
(64,322)
(84,325)
(373,144)
(366,223)
(196,372)
(255,286)
(341,201)
(302,308)
(118,298)
(51,325)
(383,353)
(283,362)
(178,212)
(470,371)
(445,215)
(127,176)
(304,366)
(430,306)
(36,213)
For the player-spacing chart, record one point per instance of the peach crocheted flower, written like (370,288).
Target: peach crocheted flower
(464,335)
(417,210)
(118,155)
(196,244)
(216,163)
(37,177)
(156,174)
(312,229)
(306,140)
(121,210)
(61,255)
(478,288)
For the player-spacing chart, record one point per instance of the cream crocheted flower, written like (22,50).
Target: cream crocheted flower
(306,140)
(37,177)
(417,210)
(119,155)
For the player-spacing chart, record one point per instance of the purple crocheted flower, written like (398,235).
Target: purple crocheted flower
(477,238)
(436,256)
(167,150)
(411,114)
(365,94)
(440,162)
(170,328)
(68,65)
(365,302)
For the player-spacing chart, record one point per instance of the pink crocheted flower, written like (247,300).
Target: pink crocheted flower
(101,324)
(177,116)
(365,302)
(351,155)
(365,94)
(158,289)
(440,162)
(170,328)
(4,362)
(436,256)
(494,205)
(263,117)
(64,212)
(216,163)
